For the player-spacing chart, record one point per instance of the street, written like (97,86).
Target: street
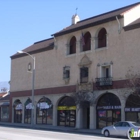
(9,133)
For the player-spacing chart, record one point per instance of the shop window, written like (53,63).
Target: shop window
(4,112)
(85,42)
(67,112)
(84,74)
(27,111)
(102,39)
(108,110)
(44,111)
(17,111)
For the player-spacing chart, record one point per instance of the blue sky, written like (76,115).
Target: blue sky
(23,22)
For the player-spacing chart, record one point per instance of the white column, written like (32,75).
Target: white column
(12,113)
(35,104)
(22,113)
(54,115)
(78,117)
(122,110)
(93,116)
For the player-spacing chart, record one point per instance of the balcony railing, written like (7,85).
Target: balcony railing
(104,81)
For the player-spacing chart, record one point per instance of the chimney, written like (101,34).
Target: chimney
(75,19)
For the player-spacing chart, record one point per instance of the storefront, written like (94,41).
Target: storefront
(108,110)
(132,108)
(17,111)
(28,110)
(44,111)
(67,112)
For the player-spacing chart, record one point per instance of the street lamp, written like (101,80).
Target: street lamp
(33,79)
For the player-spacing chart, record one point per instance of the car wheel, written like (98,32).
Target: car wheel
(106,133)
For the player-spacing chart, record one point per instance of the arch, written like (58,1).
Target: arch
(66,112)
(87,41)
(72,45)
(44,111)
(102,38)
(132,108)
(108,110)
(108,99)
(17,111)
(66,101)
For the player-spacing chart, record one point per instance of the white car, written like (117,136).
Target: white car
(120,129)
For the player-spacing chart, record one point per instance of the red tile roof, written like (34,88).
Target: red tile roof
(39,46)
(96,20)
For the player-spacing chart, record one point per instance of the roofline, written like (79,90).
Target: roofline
(35,51)
(88,25)
(131,27)
(32,52)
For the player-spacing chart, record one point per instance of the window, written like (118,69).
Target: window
(66,72)
(105,75)
(102,38)
(71,46)
(85,42)
(84,74)
(119,124)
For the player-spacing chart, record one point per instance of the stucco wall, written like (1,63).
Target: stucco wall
(122,49)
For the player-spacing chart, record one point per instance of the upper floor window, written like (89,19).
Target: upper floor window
(84,74)
(72,46)
(102,38)
(86,42)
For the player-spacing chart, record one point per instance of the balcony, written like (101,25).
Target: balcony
(100,82)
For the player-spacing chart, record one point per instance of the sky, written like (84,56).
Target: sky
(23,22)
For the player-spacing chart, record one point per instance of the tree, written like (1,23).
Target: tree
(131,85)
(83,96)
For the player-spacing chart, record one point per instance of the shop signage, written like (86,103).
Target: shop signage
(29,106)
(18,107)
(43,105)
(132,109)
(66,108)
(108,107)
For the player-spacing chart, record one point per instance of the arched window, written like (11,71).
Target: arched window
(132,108)
(17,111)
(72,45)
(67,112)
(27,111)
(44,111)
(86,42)
(108,110)
(102,38)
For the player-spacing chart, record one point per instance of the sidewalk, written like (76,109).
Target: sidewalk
(53,128)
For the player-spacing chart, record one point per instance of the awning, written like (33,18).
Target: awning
(4,104)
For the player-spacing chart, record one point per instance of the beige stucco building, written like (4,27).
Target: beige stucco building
(90,56)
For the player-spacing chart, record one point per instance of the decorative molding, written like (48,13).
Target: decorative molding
(85,61)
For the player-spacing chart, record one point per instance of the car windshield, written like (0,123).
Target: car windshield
(136,124)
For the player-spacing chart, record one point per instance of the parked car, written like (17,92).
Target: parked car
(120,129)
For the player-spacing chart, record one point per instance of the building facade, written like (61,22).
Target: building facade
(89,56)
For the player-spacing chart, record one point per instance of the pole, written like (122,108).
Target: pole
(33,105)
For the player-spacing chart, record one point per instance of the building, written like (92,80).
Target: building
(4,106)
(89,56)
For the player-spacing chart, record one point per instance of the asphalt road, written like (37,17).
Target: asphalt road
(9,133)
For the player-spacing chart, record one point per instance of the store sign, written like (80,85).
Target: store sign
(132,109)
(66,108)
(29,106)
(43,105)
(108,107)
(18,107)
